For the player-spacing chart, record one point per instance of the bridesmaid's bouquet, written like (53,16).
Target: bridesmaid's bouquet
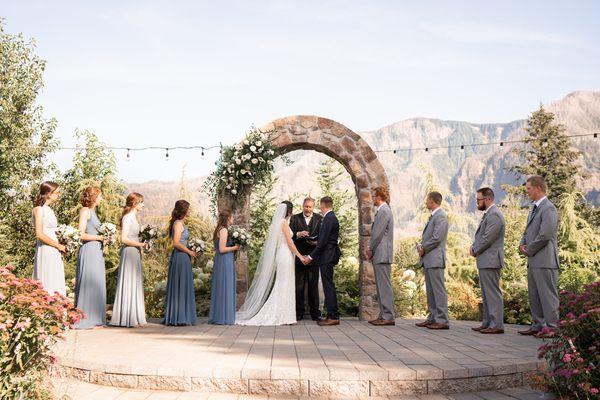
(68,237)
(197,245)
(148,234)
(109,231)
(239,236)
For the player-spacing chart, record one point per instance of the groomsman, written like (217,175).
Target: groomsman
(432,250)
(539,244)
(381,254)
(488,248)
(306,225)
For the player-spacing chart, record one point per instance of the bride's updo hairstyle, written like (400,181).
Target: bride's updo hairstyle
(290,208)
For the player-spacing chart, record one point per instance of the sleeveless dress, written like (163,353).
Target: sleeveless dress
(223,295)
(48,265)
(180,300)
(280,307)
(90,279)
(128,308)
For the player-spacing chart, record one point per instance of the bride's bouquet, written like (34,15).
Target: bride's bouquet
(148,234)
(197,245)
(68,237)
(239,236)
(109,231)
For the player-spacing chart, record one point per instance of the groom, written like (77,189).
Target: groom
(326,255)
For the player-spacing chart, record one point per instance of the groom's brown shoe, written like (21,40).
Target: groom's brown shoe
(423,324)
(328,322)
(438,326)
(384,322)
(375,321)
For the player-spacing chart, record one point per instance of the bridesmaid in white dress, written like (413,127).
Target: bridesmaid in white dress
(128,308)
(48,264)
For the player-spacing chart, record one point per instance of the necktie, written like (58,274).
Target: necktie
(533,212)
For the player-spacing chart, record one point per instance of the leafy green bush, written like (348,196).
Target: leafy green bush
(30,322)
(573,351)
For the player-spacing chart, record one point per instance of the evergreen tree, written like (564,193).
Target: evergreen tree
(26,140)
(548,153)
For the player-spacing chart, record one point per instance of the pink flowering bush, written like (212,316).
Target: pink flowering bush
(30,322)
(573,350)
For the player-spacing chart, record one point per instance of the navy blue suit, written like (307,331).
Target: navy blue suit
(326,255)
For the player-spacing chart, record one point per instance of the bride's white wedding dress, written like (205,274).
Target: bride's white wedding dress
(276,259)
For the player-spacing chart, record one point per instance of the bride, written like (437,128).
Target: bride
(277,258)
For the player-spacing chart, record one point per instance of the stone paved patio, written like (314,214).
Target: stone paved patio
(354,359)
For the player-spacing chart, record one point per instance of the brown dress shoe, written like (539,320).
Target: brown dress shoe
(423,324)
(375,321)
(437,326)
(328,322)
(479,328)
(492,331)
(528,332)
(385,322)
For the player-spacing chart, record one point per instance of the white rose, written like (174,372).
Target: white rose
(234,191)
(253,149)
(228,186)
(411,285)
(238,161)
(259,143)
(408,275)
(254,161)
(238,147)
(231,179)
(236,234)
(246,142)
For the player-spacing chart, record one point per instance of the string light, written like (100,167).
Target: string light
(462,146)
(128,156)
(167,153)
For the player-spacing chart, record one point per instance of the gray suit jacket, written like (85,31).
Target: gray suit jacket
(434,239)
(382,236)
(489,240)
(540,239)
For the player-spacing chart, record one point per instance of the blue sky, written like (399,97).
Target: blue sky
(174,73)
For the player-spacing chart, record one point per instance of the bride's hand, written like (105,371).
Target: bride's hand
(236,247)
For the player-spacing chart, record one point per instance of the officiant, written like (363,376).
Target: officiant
(305,228)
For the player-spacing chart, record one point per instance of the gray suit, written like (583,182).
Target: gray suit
(433,261)
(382,246)
(489,252)
(541,246)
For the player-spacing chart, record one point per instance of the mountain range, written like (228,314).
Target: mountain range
(457,172)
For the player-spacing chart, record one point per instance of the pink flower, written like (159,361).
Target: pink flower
(594,391)
(567,357)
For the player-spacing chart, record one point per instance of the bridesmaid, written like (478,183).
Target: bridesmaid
(222,298)
(48,264)
(90,279)
(128,308)
(180,301)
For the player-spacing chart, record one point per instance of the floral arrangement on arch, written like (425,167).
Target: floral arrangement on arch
(246,163)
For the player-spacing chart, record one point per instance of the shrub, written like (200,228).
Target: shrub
(30,322)
(572,352)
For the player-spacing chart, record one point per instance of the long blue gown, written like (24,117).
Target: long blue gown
(222,297)
(180,300)
(90,279)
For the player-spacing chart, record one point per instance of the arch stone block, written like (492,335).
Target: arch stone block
(307,132)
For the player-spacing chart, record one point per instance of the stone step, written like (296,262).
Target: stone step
(70,389)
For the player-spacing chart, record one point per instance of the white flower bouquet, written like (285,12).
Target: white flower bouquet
(68,237)
(109,231)
(197,245)
(148,234)
(239,236)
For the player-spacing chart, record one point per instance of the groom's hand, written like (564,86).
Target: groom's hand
(302,234)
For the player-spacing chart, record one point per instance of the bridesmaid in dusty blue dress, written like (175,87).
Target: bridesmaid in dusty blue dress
(129,309)
(222,298)
(90,279)
(180,300)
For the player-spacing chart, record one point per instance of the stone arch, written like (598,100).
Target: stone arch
(305,132)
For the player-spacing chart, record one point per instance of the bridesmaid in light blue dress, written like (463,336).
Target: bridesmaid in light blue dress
(90,279)
(223,296)
(180,300)
(128,308)
(48,265)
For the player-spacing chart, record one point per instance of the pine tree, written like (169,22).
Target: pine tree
(26,140)
(548,153)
